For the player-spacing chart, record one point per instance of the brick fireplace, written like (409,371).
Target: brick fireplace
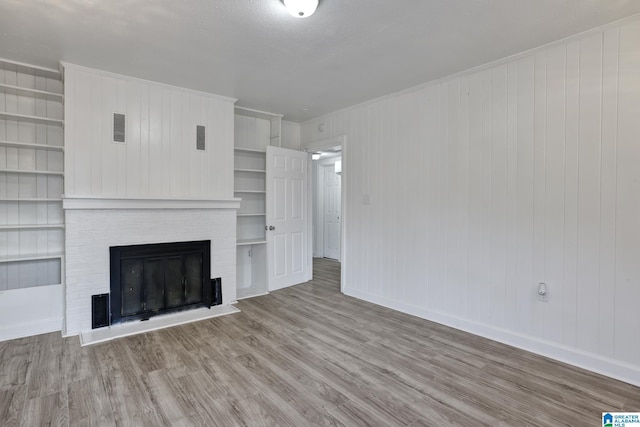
(95,225)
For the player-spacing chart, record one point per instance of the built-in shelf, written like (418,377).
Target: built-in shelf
(71,203)
(30,200)
(17,144)
(256,131)
(35,104)
(30,257)
(32,93)
(245,242)
(250,112)
(29,226)
(33,70)
(31,119)
(249,150)
(251,170)
(32,172)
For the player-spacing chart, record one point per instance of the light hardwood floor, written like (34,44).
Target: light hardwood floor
(302,356)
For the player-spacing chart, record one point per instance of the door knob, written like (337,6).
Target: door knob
(271,227)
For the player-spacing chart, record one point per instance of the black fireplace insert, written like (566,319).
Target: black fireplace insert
(152,279)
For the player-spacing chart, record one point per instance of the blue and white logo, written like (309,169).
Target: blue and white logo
(620,419)
(607,420)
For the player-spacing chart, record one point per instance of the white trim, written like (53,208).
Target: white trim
(601,365)
(250,296)
(108,203)
(69,65)
(325,143)
(318,195)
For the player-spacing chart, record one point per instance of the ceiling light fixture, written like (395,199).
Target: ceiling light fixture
(301,8)
(316,156)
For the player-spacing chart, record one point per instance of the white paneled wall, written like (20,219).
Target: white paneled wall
(486,183)
(251,132)
(290,135)
(159,158)
(125,193)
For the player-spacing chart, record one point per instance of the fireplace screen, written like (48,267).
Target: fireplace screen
(159,278)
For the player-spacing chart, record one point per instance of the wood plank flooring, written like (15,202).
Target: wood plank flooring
(302,356)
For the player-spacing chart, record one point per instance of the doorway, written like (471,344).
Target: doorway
(327,205)
(338,145)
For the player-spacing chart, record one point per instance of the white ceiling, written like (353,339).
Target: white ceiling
(348,52)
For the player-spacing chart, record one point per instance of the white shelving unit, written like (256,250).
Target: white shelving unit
(31,181)
(28,118)
(33,172)
(31,257)
(29,226)
(16,144)
(29,92)
(254,131)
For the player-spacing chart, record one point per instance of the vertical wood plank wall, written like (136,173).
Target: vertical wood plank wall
(486,183)
(290,135)
(159,158)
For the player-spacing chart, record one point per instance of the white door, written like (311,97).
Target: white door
(331,213)
(288,259)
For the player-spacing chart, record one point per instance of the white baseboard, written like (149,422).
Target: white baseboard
(27,329)
(572,356)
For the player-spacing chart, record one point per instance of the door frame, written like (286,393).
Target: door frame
(319,145)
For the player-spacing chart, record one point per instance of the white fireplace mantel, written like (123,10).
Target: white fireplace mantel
(89,203)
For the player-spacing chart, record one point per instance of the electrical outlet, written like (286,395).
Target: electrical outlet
(543,292)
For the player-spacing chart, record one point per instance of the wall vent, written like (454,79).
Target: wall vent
(118,127)
(200,137)
(99,311)
(216,290)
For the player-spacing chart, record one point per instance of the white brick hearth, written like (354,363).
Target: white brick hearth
(94,225)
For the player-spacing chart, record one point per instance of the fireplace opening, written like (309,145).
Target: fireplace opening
(152,279)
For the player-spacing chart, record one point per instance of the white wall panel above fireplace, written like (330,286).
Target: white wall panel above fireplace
(159,185)
(159,158)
